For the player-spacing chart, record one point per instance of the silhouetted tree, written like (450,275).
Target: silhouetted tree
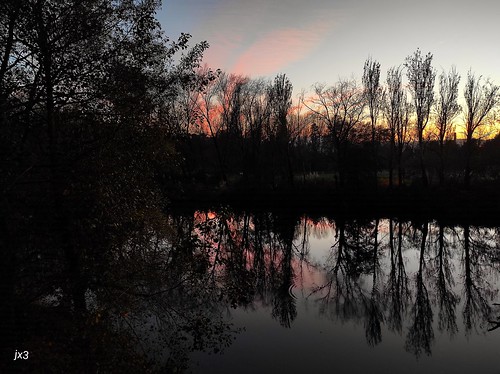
(373,95)
(373,91)
(447,109)
(397,112)
(78,68)
(211,120)
(421,78)
(299,129)
(256,113)
(480,99)
(179,113)
(81,84)
(340,108)
(280,102)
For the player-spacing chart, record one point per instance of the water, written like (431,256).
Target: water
(375,296)
(258,292)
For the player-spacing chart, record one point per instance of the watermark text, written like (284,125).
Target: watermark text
(21,355)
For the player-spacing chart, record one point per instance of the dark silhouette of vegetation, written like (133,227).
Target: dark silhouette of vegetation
(373,93)
(447,109)
(421,78)
(397,291)
(397,112)
(479,101)
(280,101)
(448,299)
(250,135)
(85,160)
(107,125)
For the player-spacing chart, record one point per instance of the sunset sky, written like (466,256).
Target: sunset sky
(324,40)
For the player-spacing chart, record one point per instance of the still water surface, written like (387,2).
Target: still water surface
(302,294)
(224,291)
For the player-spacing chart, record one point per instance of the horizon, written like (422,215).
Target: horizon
(269,43)
(133,242)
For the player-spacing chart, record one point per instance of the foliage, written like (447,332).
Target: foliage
(86,156)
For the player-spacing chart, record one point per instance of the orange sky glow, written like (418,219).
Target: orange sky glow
(324,41)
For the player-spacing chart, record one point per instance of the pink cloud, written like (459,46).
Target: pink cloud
(222,49)
(277,49)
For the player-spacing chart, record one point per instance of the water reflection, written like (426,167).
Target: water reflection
(477,287)
(251,260)
(421,334)
(418,281)
(446,297)
(365,278)
(397,293)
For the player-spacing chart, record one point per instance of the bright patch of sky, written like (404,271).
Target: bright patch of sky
(323,40)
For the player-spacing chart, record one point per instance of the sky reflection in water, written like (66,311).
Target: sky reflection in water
(377,296)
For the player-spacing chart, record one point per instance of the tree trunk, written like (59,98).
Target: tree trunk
(391,166)
(468,156)
(60,220)
(425,182)
(441,163)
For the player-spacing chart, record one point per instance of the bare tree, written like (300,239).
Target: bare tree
(397,112)
(340,108)
(373,97)
(229,95)
(280,99)
(421,78)
(280,102)
(256,113)
(480,99)
(255,108)
(179,111)
(210,120)
(447,109)
(300,134)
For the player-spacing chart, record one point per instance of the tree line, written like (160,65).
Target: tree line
(83,156)
(368,130)
(103,119)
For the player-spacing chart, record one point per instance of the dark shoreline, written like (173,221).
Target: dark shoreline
(479,205)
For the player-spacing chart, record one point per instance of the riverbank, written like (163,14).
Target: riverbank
(479,205)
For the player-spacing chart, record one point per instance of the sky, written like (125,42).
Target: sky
(325,40)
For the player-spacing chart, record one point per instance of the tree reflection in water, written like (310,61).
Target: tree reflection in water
(397,293)
(446,297)
(478,266)
(421,334)
(253,261)
(171,294)
(356,261)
